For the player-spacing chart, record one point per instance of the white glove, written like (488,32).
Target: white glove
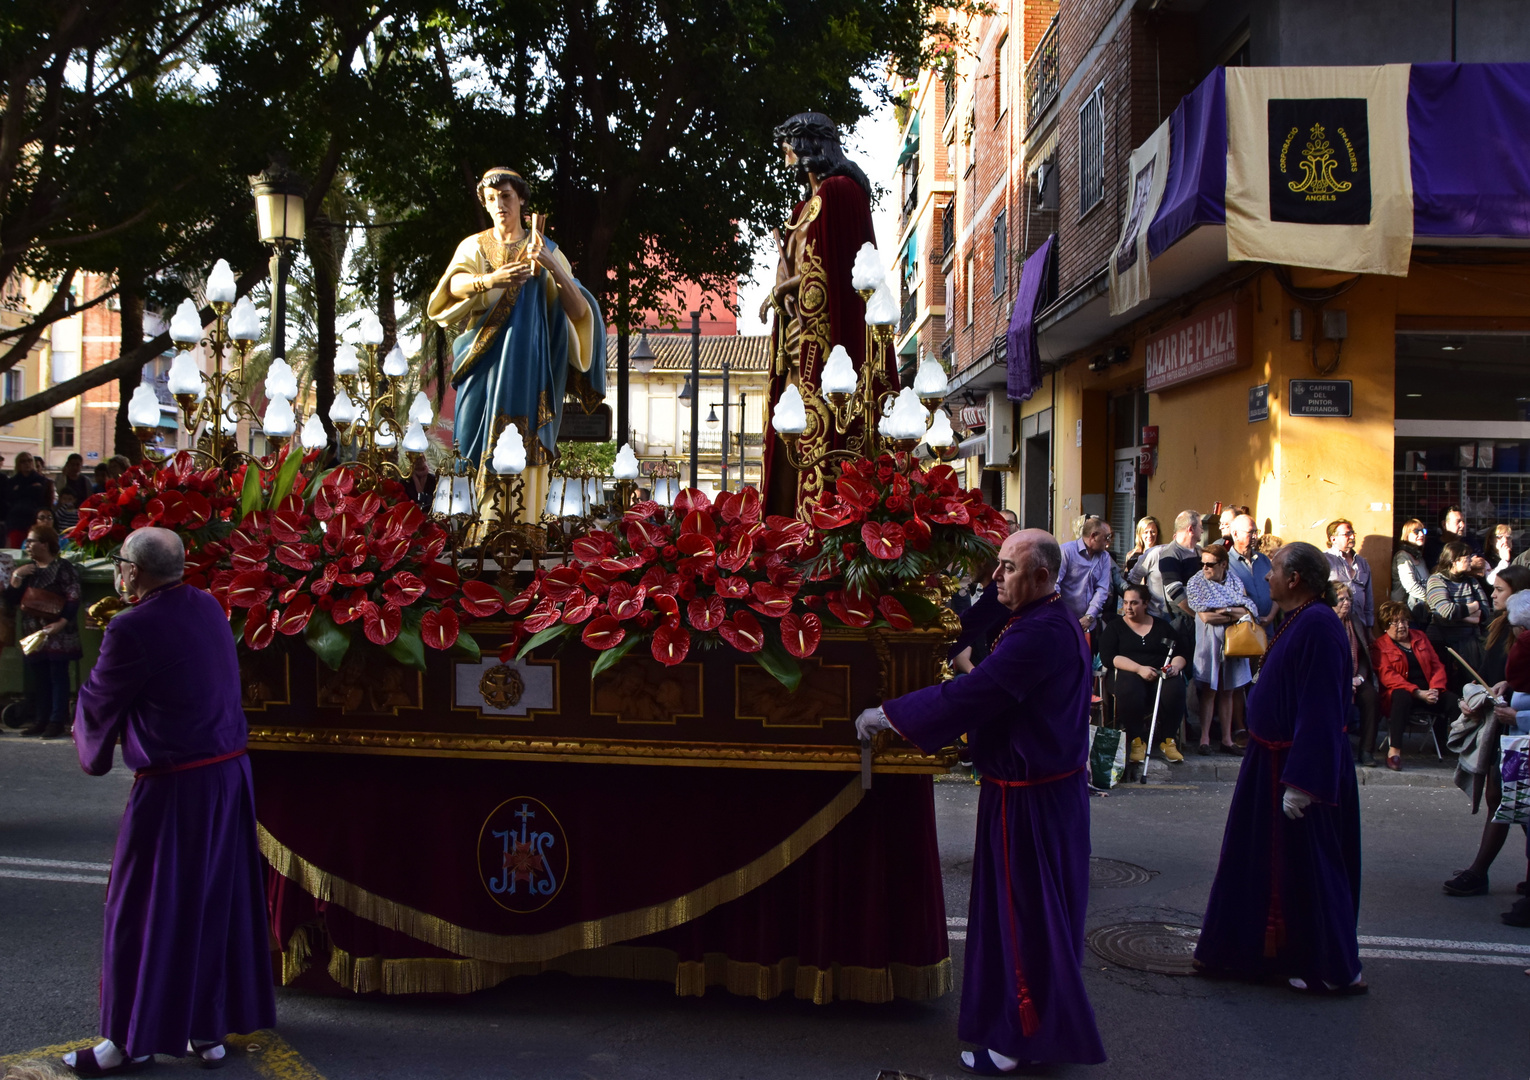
(870,722)
(1293,802)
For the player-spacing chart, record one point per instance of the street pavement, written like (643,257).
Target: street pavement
(1448,984)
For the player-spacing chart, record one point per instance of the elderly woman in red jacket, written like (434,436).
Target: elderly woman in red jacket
(1411,677)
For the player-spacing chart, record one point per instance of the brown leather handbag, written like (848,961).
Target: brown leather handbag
(42,602)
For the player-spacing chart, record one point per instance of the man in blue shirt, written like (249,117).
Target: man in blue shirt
(1084,580)
(1244,559)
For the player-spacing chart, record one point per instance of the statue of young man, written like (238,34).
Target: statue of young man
(816,306)
(525,328)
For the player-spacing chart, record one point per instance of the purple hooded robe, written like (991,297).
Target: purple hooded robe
(1025,709)
(1286,898)
(186,953)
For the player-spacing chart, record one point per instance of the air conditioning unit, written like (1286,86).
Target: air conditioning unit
(999,434)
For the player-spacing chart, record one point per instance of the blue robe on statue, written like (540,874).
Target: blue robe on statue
(186,952)
(517,354)
(1025,709)
(1286,898)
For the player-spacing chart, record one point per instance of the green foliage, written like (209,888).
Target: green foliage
(467,645)
(612,656)
(781,664)
(552,633)
(328,641)
(408,648)
(596,458)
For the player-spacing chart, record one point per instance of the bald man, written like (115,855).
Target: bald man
(1026,711)
(185,953)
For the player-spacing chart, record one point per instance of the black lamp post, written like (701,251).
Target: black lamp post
(279,194)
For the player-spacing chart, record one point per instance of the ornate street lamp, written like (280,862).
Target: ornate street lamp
(279,194)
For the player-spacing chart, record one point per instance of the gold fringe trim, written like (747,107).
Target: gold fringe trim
(426,975)
(576,937)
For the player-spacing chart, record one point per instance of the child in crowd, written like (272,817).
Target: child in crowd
(66,511)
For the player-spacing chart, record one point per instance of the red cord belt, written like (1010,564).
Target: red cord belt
(161,770)
(1029,1019)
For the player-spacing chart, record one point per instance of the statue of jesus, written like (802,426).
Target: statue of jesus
(524,327)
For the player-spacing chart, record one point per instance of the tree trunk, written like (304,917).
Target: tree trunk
(326,284)
(123,440)
(385,305)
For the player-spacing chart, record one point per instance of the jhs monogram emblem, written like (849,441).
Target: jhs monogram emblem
(522,855)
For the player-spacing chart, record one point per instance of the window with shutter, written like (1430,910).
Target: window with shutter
(1091,151)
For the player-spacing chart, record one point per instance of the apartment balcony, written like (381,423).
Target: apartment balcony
(910,311)
(1042,77)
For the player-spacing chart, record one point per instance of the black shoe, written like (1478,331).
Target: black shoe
(1519,914)
(1203,749)
(1467,883)
(1368,759)
(1231,750)
(55,731)
(32,730)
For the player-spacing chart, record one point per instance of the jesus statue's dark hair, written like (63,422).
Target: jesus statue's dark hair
(814,138)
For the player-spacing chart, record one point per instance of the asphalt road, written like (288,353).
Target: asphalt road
(1423,1018)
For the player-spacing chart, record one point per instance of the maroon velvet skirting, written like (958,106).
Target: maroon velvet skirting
(432,875)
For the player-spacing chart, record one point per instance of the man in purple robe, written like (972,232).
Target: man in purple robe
(1286,899)
(1026,711)
(186,958)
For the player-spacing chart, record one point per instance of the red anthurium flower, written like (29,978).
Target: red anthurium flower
(896,615)
(625,600)
(382,624)
(403,589)
(542,616)
(364,507)
(857,493)
(326,504)
(641,511)
(850,609)
(942,479)
(355,580)
(770,599)
(603,632)
(831,512)
(249,589)
(691,499)
(670,644)
(295,619)
(296,556)
(698,521)
(349,609)
(917,532)
(522,600)
(667,604)
(389,553)
(243,537)
(707,612)
(615,568)
(596,580)
(480,599)
(594,546)
(743,632)
(884,539)
(197,511)
(950,511)
(733,587)
(749,505)
(257,628)
(644,534)
(561,582)
(325,581)
(439,629)
(289,525)
(726,506)
(801,633)
(340,481)
(578,608)
(250,557)
(440,579)
(694,543)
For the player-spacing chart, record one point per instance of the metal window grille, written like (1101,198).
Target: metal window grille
(950,85)
(1485,498)
(1091,151)
(1000,247)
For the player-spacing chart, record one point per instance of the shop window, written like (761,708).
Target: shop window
(1091,151)
(63,431)
(1000,254)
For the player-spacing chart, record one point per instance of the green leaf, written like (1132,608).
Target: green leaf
(328,641)
(408,648)
(285,476)
(922,611)
(552,633)
(313,488)
(613,655)
(468,644)
(249,498)
(781,664)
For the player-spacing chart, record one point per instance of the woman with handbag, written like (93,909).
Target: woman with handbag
(1459,607)
(1219,600)
(48,592)
(1362,674)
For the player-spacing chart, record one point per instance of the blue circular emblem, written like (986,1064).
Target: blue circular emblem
(523,855)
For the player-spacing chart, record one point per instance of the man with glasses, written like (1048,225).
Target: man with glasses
(185,959)
(1251,566)
(1348,567)
(1084,580)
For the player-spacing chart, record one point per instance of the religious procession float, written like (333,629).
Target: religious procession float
(546,724)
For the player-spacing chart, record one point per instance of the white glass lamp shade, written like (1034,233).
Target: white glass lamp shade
(314,436)
(509,452)
(665,489)
(626,467)
(184,376)
(143,407)
(370,329)
(281,380)
(442,502)
(908,418)
(940,434)
(347,362)
(394,364)
(244,321)
(343,410)
(867,273)
(790,415)
(419,410)
(839,373)
(930,382)
(882,308)
(415,441)
(279,421)
(462,495)
(386,438)
(186,324)
(221,287)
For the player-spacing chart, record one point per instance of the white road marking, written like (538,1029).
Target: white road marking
(1448,957)
(54,864)
(1436,943)
(33,875)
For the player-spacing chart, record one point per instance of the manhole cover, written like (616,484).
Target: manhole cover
(1165,948)
(1115,874)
